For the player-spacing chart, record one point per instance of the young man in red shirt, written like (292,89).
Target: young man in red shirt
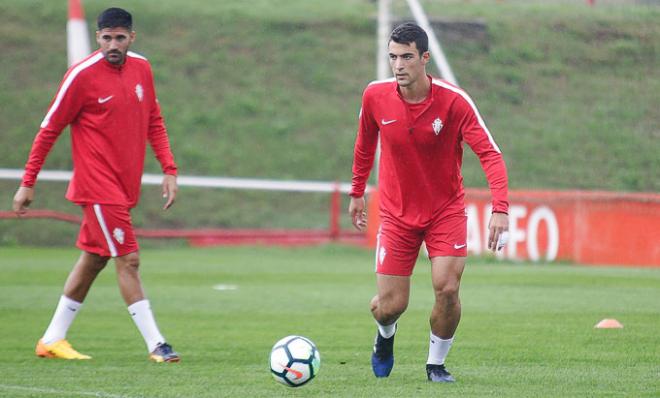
(422,123)
(110,102)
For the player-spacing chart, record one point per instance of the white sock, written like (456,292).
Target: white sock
(386,331)
(146,324)
(438,349)
(65,313)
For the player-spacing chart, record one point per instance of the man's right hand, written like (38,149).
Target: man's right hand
(357,213)
(22,200)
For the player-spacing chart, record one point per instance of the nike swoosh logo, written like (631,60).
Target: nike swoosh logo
(459,246)
(106,99)
(386,122)
(296,373)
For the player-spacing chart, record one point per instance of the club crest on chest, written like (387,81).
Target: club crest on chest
(118,233)
(139,91)
(437,125)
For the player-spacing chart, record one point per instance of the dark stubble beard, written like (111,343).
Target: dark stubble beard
(116,60)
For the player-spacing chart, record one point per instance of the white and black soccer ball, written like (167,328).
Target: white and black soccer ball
(294,361)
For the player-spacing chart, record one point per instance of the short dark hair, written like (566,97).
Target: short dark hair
(409,32)
(115,18)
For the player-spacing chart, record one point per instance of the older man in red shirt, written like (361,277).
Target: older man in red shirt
(110,102)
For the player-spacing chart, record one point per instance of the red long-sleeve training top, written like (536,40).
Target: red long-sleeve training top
(113,111)
(422,150)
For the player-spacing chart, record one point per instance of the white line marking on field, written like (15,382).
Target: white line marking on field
(55,391)
(225,287)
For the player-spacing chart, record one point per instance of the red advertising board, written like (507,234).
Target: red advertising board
(584,227)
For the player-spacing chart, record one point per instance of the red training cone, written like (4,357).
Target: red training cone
(609,324)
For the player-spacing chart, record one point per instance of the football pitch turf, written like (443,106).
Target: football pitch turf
(526,331)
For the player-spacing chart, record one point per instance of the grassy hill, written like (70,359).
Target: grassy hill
(271,89)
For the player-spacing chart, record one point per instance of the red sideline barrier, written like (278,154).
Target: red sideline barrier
(585,227)
(274,237)
(55,215)
(214,236)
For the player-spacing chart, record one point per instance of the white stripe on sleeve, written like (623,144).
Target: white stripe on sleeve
(388,80)
(67,82)
(467,98)
(136,55)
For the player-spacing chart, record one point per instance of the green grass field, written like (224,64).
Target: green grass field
(527,330)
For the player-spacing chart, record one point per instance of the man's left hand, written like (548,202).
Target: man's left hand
(169,190)
(498,228)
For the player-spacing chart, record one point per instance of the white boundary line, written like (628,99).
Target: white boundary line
(64,392)
(204,182)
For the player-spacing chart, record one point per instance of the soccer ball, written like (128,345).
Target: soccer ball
(294,361)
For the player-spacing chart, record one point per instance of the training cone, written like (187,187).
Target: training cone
(609,324)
